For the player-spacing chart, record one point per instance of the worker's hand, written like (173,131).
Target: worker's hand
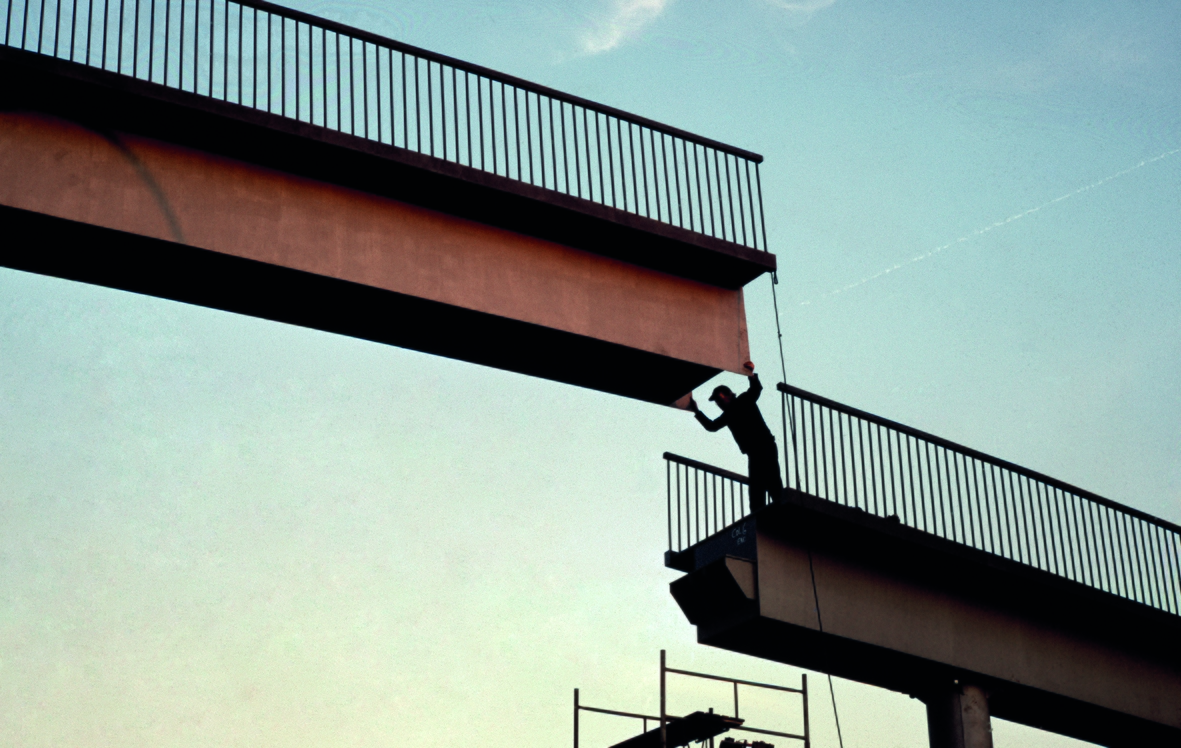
(750,368)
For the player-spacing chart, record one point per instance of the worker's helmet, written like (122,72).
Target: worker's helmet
(721,388)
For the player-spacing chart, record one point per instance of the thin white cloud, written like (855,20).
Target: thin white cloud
(628,18)
(985,229)
(801,11)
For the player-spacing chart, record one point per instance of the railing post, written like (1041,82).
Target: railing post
(804,690)
(668,486)
(663,720)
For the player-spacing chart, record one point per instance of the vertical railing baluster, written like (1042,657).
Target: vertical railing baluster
(927,495)
(565,150)
(1116,555)
(1068,565)
(1005,504)
(1152,555)
(1029,498)
(814,458)
(1173,544)
(73,27)
(1152,561)
(480,118)
(1046,535)
(741,209)
(890,468)
(610,163)
(1143,571)
(1059,535)
(529,138)
(1087,533)
(679,492)
(664,164)
(844,468)
(586,139)
(913,520)
(212,21)
(1094,544)
(41,25)
(696,506)
(1129,553)
(730,198)
(822,457)
(865,470)
(225,53)
(668,486)
(418,113)
(953,529)
(1074,540)
(657,182)
(631,155)
(644,169)
(1109,570)
(57,26)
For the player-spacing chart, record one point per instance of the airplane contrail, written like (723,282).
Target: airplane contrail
(998,224)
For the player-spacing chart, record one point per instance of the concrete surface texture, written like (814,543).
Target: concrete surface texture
(957,717)
(870,606)
(163,191)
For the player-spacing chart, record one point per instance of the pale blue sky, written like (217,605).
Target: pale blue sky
(216,530)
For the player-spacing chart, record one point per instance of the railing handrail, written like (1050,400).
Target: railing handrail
(537,88)
(706,468)
(530,133)
(977,454)
(936,486)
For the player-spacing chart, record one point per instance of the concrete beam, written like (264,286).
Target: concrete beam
(110,102)
(150,216)
(108,179)
(900,609)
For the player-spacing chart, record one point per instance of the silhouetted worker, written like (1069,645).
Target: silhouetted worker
(741,414)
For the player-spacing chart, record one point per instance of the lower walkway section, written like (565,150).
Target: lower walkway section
(905,561)
(830,589)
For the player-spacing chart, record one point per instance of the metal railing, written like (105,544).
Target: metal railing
(857,459)
(702,500)
(295,65)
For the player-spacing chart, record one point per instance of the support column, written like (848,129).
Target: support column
(957,717)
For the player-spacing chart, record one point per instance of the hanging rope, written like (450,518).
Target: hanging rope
(790,419)
(778,329)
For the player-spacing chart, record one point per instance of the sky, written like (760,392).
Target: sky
(217,530)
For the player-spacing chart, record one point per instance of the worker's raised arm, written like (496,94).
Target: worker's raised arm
(755,386)
(704,420)
(710,424)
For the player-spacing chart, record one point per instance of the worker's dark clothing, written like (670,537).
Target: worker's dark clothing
(750,431)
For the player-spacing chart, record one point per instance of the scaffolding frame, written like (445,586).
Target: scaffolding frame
(664,717)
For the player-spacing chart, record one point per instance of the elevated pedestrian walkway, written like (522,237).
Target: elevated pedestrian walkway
(907,561)
(253,158)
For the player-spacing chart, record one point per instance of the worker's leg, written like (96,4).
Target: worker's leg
(759,477)
(758,496)
(774,480)
(764,477)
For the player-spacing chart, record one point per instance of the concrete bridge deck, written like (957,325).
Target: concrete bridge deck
(332,178)
(916,566)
